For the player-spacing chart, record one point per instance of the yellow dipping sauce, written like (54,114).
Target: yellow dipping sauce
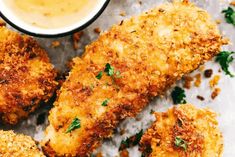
(51,13)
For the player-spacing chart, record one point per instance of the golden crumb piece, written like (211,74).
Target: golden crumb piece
(122,132)
(124,153)
(201,68)
(218,21)
(124,69)
(18,145)
(214,81)
(99,154)
(183,131)
(55,44)
(187,82)
(226,41)
(123,13)
(27,77)
(76,38)
(215,93)
(97,30)
(198,80)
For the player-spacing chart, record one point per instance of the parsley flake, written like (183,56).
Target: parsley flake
(109,69)
(178,96)
(131,141)
(105,103)
(229,15)
(99,76)
(224,58)
(179,142)
(76,124)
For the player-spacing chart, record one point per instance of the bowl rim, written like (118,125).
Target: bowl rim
(77,29)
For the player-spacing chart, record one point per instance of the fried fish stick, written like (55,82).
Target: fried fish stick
(17,145)
(26,76)
(123,70)
(183,131)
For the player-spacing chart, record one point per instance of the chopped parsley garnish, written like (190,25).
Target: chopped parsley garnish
(225,58)
(131,141)
(138,137)
(99,76)
(105,103)
(76,124)
(229,15)
(178,96)
(109,69)
(179,142)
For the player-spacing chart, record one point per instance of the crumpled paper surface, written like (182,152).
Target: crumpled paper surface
(224,104)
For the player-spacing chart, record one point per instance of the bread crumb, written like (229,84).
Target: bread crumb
(122,132)
(186,1)
(215,93)
(2,23)
(99,154)
(124,153)
(137,118)
(198,80)
(218,21)
(200,98)
(232,3)
(55,44)
(201,68)
(76,38)
(123,13)
(97,30)
(208,73)
(214,81)
(187,82)
(225,41)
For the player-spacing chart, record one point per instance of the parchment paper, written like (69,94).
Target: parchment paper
(224,104)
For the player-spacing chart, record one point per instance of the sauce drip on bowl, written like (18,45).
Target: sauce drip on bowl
(51,13)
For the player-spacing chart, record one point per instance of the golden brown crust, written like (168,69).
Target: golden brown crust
(13,145)
(197,127)
(26,76)
(151,52)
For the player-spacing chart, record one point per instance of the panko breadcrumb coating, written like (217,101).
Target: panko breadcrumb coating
(121,72)
(26,76)
(183,131)
(18,145)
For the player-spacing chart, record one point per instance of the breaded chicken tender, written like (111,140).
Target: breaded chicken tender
(121,72)
(26,76)
(183,131)
(17,145)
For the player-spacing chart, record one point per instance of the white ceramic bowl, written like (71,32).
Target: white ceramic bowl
(9,16)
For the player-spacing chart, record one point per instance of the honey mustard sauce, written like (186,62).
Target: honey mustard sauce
(51,13)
